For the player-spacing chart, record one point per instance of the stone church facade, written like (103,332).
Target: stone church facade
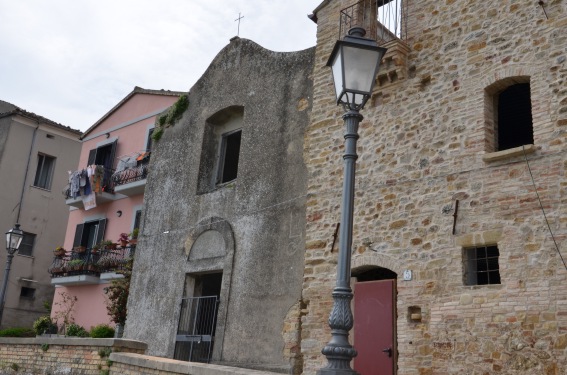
(224,217)
(459,221)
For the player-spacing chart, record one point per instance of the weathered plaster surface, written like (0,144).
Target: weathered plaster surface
(260,216)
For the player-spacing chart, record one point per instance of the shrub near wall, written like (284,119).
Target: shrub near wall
(58,355)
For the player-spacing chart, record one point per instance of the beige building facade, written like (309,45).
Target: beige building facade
(462,145)
(35,155)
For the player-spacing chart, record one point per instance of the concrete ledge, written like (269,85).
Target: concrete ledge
(75,341)
(510,153)
(180,367)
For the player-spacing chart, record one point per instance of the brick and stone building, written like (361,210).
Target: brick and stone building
(447,187)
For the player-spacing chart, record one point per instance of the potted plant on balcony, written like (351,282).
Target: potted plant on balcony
(57,270)
(106,263)
(108,245)
(76,265)
(134,236)
(59,252)
(123,239)
(79,249)
(95,249)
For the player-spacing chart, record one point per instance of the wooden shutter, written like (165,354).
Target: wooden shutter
(92,157)
(149,141)
(137,219)
(100,231)
(112,155)
(78,235)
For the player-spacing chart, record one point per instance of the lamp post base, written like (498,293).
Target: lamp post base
(335,371)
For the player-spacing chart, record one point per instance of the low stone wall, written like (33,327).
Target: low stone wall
(86,356)
(138,364)
(62,355)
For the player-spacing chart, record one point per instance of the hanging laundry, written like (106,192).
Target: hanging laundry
(75,184)
(89,201)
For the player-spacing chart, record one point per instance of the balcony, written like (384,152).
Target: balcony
(80,185)
(89,266)
(132,181)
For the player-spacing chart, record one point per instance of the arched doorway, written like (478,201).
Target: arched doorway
(375,320)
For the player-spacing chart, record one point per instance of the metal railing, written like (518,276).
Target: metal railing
(140,172)
(83,261)
(383,20)
(196,330)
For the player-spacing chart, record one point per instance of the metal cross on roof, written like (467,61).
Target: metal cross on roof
(238,19)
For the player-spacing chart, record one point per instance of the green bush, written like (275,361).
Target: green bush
(44,324)
(76,331)
(17,332)
(102,331)
(156,135)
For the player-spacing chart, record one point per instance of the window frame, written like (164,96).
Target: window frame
(472,261)
(224,144)
(25,295)
(506,135)
(493,146)
(48,179)
(27,235)
(81,236)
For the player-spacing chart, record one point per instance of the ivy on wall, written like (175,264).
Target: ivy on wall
(171,117)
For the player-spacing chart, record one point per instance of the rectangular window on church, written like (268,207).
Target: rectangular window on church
(481,265)
(229,155)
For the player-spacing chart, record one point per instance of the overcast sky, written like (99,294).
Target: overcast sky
(73,60)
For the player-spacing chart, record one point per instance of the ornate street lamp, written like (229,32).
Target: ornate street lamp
(354,61)
(13,240)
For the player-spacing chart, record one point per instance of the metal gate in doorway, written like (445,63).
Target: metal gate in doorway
(196,330)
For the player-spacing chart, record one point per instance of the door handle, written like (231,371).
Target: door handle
(389,351)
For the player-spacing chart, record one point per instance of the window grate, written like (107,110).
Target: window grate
(482,265)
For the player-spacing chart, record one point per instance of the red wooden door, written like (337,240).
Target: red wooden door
(374,327)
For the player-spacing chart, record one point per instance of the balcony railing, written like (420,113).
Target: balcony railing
(80,184)
(91,261)
(383,20)
(133,174)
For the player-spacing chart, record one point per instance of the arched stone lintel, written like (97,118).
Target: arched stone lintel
(378,260)
(494,75)
(211,223)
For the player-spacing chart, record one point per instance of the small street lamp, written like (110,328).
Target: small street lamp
(354,61)
(13,240)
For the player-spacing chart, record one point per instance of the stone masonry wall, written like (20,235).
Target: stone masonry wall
(421,148)
(73,356)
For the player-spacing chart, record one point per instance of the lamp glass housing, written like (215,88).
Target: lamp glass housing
(355,62)
(14,238)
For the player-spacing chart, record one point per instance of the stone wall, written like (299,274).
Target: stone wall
(73,356)
(138,364)
(423,145)
(84,356)
(251,228)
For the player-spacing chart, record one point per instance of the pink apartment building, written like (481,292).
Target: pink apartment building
(105,198)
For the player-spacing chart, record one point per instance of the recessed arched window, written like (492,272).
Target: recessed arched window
(508,114)
(220,152)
